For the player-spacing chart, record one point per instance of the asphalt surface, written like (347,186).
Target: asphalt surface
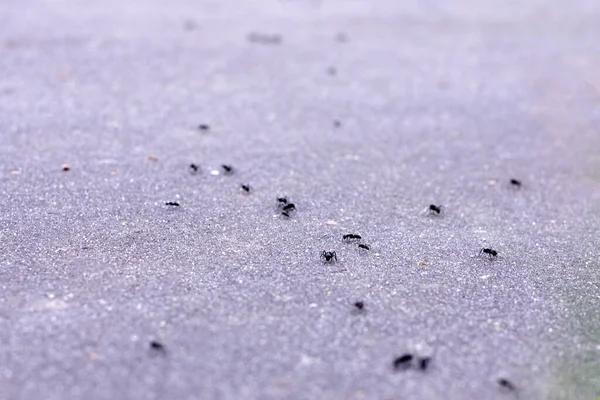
(436,102)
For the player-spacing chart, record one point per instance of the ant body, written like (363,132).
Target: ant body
(289,207)
(246,188)
(505,383)
(350,237)
(227,168)
(433,209)
(329,256)
(516,183)
(491,253)
(359,308)
(172,203)
(157,346)
(403,362)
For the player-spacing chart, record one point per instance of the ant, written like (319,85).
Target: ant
(228,169)
(193,168)
(246,188)
(359,308)
(285,214)
(505,383)
(282,201)
(435,209)
(351,236)
(403,362)
(490,252)
(172,203)
(329,256)
(203,127)
(364,247)
(516,183)
(289,207)
(154,345)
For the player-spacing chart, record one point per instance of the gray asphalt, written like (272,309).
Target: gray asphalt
(437,103)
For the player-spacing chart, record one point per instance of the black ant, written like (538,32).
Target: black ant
(172,203)
(435,209)
(403,362)
(516,183)
(505,383)
(286,207)
(364,247)
(228,169)
(490,252)
(351,236)
(289,207)
(193,168)
(424,363)
(329,256)
(246,188)
(203,127)
(157,346)
(359,308)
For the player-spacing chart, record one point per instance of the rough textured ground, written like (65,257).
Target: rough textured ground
(439,102)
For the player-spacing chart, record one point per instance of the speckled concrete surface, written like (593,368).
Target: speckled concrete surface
(439,102)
